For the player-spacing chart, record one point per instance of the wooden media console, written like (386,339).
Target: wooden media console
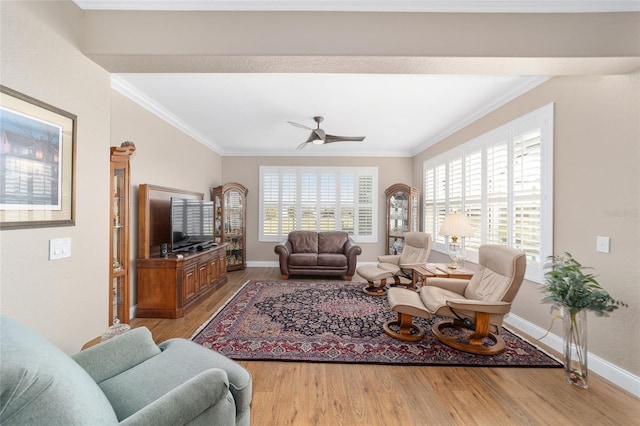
(168,287)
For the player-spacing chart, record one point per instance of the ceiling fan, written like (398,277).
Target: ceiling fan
(319,137)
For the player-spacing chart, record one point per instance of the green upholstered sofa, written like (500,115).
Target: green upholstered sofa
(125,380)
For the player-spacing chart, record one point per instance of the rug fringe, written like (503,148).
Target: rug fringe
(538,347)
(204,324)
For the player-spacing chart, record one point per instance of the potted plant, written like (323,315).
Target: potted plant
(576,292)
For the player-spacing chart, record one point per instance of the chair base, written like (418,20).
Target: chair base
(408,331)
(476,340)
(373,290)
(372,273)
(398,283)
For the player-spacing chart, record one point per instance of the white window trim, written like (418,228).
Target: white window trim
(542,117)
(337,171)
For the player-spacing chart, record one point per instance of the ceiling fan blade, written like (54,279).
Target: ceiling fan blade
(299,125)
(332,138)
(302,145)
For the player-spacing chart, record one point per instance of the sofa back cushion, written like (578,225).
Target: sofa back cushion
(304,241)
(43,385)
(332,241)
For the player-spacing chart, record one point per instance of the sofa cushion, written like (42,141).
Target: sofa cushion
(43,385)
(303,259)
(304,241)
(331,259)
(332,241)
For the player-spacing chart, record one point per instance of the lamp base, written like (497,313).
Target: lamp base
(454,253)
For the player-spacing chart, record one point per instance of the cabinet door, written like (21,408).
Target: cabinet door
(218,230)
(234,225)
(415,212)
(189,283)
(204,276)
(398,221)
(214,269)
(119,235)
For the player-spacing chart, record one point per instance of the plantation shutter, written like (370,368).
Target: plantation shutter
(318,199)
(527,165)
(497,226)
(366,206)
(503,182)
(473,184)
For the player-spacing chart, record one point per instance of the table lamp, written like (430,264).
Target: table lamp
(455,225)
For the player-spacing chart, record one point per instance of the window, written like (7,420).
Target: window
(318,199)
(503,182)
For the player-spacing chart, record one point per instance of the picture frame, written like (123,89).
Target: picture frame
(37,163)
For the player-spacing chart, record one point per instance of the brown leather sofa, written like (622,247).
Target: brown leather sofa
(325,253)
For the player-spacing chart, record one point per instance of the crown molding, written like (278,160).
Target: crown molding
(490,107)
(441,6)
(121,86)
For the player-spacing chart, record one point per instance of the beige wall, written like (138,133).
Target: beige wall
(66,299)
(245,170)
(164,156)
(596,193)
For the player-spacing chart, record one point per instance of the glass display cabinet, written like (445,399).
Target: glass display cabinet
(403,211)
(119,238)
(229,203)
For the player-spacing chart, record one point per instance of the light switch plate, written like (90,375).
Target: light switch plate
(59,248)
(602,244)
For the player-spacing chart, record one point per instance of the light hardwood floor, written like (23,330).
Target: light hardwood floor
(292,393)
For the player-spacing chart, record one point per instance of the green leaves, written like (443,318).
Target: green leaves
(567,285)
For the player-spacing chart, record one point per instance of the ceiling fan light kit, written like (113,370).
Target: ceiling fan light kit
(319,137)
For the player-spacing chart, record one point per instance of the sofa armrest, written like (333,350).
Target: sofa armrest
(352,251)
(240,382)
(393,259)
(456,285)
(283,250)
(117,354)
(484,306)
(187,401)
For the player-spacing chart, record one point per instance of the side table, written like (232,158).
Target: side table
(454,273)
(439,270)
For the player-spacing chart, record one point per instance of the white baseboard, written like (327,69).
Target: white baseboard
(263,264)
(602,367)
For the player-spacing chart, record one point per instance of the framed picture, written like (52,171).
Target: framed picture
(37,170)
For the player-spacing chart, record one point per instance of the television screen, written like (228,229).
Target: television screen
(191,224)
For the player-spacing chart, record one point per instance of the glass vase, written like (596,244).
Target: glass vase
(575,347)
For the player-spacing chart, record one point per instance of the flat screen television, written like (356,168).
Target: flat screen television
(191,224)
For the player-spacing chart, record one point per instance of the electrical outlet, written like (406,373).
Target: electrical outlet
(602,244)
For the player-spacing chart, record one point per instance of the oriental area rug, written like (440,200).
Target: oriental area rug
(334,321)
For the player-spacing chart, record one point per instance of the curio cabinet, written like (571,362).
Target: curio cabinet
(403,212)
(229,227)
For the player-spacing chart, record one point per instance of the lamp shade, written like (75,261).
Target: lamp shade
(456,225)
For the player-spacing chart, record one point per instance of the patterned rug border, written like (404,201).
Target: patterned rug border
(224,305)
(556,362)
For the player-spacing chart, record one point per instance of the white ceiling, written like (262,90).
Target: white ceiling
(247,114)
(400,115)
